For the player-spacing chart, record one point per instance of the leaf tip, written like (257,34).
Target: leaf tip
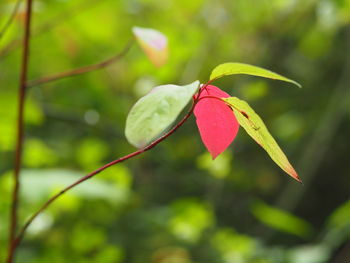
(298,179)
(214,155)
(294,174)
(296,84)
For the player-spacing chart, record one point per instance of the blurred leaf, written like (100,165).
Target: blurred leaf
(220,168)
(42,223)
(8,115)
(38,154)
(234,247)
(288,126)
(50,181)
(190,218)
(256,128)
(153,43)
(281,220)
(340,217)
(119,175)
(152,114)
(327,14)
(309,254)
(227,69)
(91,152)
(7,140)
(316,43)
(110,254)
(85,238)
(255,90)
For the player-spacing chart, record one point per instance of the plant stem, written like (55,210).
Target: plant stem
(20,132)
(11,18)
(19,237)
(49,25)
(81,70)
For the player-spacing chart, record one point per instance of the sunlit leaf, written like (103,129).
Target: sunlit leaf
(340,217)
(256,128)
(281,220)
(217,125)
(233,246)
(189,219)
(240,68)
(49,181)
(310,253)
(220,168)
(37,154)
(153,43)
(155,112)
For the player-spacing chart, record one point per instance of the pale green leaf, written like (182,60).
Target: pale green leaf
(49,181)
(155,112)
(240,68)
(153,43)
(256,128)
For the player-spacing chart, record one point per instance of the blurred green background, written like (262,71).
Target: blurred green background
(174,204)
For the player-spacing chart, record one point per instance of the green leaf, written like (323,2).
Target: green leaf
(340,217)
(256,128)
(189,219)
(281,220)
(155,112)
(49,181)
(240,68)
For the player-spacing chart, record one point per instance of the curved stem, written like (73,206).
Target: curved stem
(210,97)
(81,70)
(228,104)
(20,132)
(97,171)
(11,18)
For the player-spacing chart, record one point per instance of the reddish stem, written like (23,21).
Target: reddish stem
(81,70)
(211,97)
(92,174)
(20,132)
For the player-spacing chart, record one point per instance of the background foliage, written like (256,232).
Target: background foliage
(174,204)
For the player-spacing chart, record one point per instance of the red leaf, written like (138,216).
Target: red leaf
(215,120)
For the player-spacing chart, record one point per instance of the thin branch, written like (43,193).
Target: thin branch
(20,131)
(11,18)
(81,70)
(47,27)
(92,174)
